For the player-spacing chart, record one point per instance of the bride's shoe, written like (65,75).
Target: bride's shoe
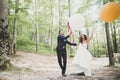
(81,74)
(78,74)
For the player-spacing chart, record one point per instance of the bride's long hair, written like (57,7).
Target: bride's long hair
(81,39)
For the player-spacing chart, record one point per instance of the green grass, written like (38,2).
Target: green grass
(29,46)
(25,45)
(45,49)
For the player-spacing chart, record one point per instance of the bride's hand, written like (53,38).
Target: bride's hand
(70,32)
(94,29)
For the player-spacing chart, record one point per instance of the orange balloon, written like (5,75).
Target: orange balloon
(110,12)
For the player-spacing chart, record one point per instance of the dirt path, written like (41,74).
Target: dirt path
(39,67)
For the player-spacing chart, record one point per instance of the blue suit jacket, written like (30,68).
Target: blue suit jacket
(62,41)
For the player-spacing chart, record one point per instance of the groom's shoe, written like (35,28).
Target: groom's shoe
(64,75)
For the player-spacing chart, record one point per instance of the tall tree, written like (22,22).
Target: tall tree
(109,45)
(59,11)
(115,46)
(106,50)
(51,27)
(4,34)
(45,29)
(36,25)
(69,5)
(10,50)
(15,27)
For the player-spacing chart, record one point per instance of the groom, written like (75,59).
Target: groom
(61,50)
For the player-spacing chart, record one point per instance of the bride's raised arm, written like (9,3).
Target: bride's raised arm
(88,40)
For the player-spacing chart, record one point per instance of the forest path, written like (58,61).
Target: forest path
(40,67)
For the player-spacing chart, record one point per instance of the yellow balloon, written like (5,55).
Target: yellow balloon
(110,12)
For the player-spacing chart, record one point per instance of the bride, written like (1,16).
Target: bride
(83,58)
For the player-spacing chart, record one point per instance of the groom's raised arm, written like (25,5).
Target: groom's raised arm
(64,37)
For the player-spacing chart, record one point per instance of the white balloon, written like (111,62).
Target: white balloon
(76,22)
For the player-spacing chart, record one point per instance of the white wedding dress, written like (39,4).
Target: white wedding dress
(82,60)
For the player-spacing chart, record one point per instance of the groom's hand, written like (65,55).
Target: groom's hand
(74,44)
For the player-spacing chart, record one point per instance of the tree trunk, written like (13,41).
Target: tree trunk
(51,28)
(37,38)
(4,35)
(114,39)
(59,10)
(45,30)
(69,1)
(15,28)
(105,44)
(36,26)
(10,50)
(109,45)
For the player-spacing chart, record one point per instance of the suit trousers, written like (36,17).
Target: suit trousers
(62,59)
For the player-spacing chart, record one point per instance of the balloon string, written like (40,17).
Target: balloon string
(69,30)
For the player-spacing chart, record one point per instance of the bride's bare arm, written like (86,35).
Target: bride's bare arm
(88,40)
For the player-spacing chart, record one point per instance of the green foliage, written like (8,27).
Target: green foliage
(25,45)
(45,49)
(99,52)
(26,24)
(29,46)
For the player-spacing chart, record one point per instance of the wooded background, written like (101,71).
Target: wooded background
(34,24)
